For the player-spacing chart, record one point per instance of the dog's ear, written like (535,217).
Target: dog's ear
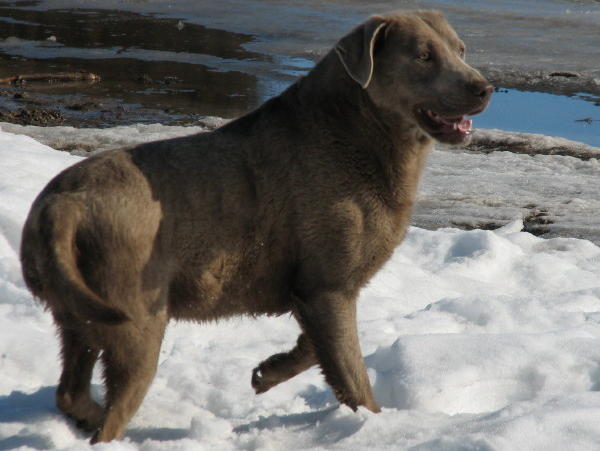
(356,50)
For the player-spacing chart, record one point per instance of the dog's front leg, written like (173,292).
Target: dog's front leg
(329,321)
(280,367)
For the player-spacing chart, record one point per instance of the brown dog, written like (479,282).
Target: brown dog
(292,207)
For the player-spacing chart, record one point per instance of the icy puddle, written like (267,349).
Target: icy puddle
(576,118)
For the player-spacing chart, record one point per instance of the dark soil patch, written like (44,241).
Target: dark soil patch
(34,116)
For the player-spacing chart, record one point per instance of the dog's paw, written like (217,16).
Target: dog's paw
(260,384)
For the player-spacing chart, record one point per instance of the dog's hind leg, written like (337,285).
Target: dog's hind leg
(73,393)
(280,367)
(130,360)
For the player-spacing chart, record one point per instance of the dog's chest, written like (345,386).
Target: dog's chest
(387,227)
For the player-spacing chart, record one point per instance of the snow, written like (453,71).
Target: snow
(474,340)
(556,195)
(91,139)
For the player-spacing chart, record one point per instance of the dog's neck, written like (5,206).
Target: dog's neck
(342,106)
(330,90)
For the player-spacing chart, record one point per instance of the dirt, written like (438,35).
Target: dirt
(69,104)
(130,53)
(33,116)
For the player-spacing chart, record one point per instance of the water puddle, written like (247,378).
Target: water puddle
(151,71)
(576,118)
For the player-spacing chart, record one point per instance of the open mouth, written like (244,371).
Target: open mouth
(449,129)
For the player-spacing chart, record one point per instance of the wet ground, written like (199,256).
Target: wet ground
(176,63)
(139,83)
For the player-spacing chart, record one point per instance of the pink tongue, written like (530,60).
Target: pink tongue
(465,126)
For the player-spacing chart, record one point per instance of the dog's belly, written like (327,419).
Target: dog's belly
(228,285)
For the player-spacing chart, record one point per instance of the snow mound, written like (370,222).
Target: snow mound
(474,340)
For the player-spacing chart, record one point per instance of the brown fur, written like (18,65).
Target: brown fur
(291,208)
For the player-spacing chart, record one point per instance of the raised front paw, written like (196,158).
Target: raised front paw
(260,383)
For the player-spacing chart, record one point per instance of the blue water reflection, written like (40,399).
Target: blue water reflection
(533,112)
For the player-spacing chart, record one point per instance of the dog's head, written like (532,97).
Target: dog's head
(413,64)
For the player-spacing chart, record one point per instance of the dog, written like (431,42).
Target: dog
(290,208)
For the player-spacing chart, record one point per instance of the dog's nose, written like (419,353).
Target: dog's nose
(481,89)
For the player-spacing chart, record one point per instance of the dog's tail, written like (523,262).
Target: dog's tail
(50,267)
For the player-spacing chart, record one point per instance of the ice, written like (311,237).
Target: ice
(474,339)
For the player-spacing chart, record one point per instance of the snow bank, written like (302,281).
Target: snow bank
(530,143)
(82,140)
(474,340)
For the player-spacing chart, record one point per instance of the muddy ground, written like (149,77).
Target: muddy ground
(155,69)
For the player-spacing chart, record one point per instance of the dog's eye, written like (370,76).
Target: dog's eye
(425,56)
(461,52)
